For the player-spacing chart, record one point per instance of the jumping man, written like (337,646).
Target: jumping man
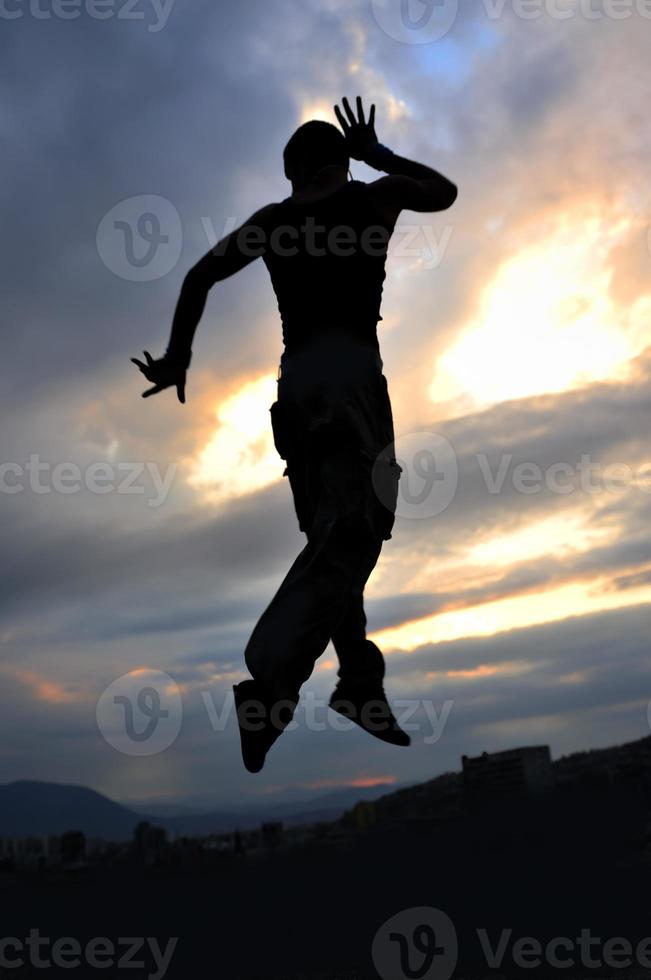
(325,248)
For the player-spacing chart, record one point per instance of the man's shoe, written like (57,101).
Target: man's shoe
(368,707)
(261,720)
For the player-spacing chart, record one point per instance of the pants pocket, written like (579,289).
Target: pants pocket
(386,483)
(281,429)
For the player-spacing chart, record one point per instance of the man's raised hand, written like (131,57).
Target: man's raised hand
(163,373)
(359,133)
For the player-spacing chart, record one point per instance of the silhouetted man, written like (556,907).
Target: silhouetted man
(325,248)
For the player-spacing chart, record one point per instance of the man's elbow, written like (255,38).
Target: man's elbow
(439,197)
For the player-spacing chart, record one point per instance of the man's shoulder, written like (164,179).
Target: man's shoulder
(389,182)
(266,214)
(386,193)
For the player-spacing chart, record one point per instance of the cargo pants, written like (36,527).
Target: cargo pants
(332,423)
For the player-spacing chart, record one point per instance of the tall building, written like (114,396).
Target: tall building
(524,772)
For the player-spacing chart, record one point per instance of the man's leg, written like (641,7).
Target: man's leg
(360,661)
(314,596)
(359,694)
(313,604)
(337,508)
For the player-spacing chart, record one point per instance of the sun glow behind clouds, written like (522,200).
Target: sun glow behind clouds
(317,110)
(558,535)
(513,612)
(241,456)
(547,322)
(484,561)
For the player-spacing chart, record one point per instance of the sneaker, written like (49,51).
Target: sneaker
(368,707)
(259,729)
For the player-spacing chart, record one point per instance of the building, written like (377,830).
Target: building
(524,772)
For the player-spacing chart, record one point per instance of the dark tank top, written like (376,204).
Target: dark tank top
(327,260)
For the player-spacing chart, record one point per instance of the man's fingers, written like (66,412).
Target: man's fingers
(180,391)
(349,111)
(342,122)
(154,390)
(148,357)
(143,367)
(360,110)
(371,116)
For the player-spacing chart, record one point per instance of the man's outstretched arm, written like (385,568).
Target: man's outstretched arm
(228,256)
(411,186)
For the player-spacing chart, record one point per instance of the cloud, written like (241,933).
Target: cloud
(533,121)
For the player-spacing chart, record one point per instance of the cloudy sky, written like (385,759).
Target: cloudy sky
(144,538)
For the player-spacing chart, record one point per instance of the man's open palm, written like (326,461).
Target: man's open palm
(359,133)
(163,373)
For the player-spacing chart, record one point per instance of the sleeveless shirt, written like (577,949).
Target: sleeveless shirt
(326,260)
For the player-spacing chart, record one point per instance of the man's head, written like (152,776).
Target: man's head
(313,146)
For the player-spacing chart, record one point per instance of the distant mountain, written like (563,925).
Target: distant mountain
(342,798)
(33,809)
(161,811)
(327,806)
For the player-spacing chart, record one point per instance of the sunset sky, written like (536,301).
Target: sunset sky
(515,332)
